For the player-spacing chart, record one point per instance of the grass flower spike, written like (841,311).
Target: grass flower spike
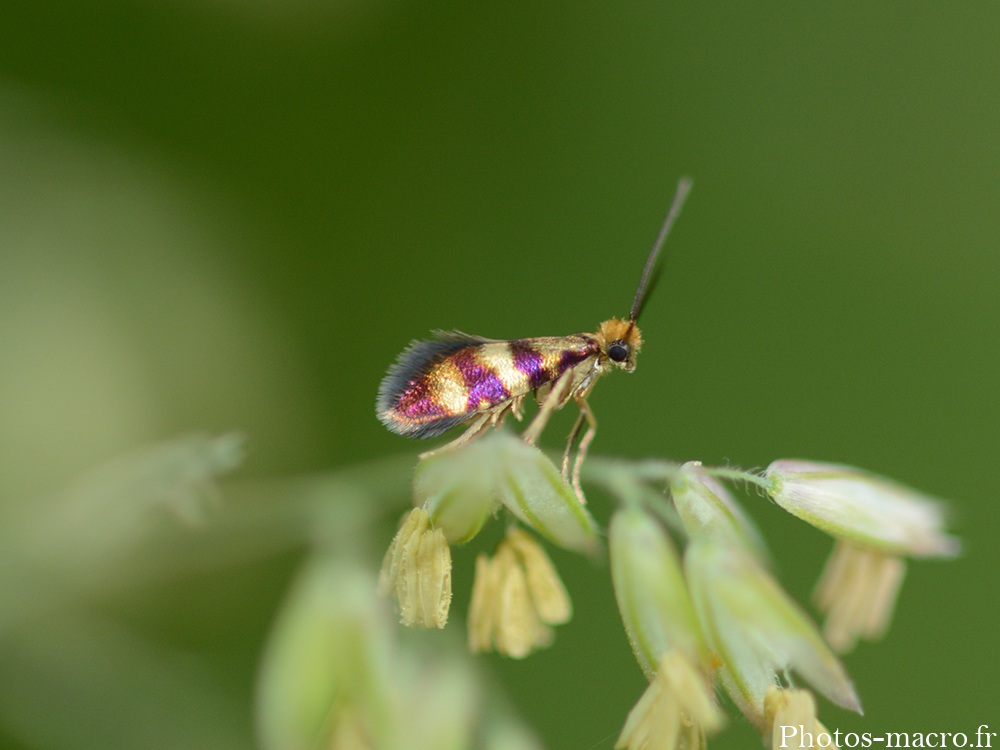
(713,615)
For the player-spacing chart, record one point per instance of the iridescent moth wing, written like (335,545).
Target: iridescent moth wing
(436,385)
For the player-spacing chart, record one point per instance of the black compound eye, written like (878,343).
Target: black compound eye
(618,351)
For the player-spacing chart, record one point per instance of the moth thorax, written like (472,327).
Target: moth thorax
(620,341)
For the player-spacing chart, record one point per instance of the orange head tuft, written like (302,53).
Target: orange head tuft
(620,341)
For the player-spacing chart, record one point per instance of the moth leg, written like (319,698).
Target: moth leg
(516,408)
(552,402)
(581,452)
(499,414)
(470,434)
(573,435)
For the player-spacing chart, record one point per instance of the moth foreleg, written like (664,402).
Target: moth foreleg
(553,400)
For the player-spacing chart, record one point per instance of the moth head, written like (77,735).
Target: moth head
(620,341)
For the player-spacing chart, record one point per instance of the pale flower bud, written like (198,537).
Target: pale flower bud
(857,591)
(457,488)
(547,591)
(707,508)
(651,593)
(461,488)
(516,596)
(327,673)
(506,733)
(867,509)
(677,710)
(533,489)
(791,717)
(757,630)
(417,572)
(333,677)
(482,604)
(518,629)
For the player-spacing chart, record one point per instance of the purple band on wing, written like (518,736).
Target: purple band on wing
(417,401)
(485,388)
(530,362)
(572,357)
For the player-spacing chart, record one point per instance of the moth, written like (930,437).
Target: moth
(461,379)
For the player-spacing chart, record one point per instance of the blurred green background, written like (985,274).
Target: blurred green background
(233,214)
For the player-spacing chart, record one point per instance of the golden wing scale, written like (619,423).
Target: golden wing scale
(458,379)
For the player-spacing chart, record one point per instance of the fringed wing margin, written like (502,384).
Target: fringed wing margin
(413,364)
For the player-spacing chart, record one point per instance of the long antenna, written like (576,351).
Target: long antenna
(683,188)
